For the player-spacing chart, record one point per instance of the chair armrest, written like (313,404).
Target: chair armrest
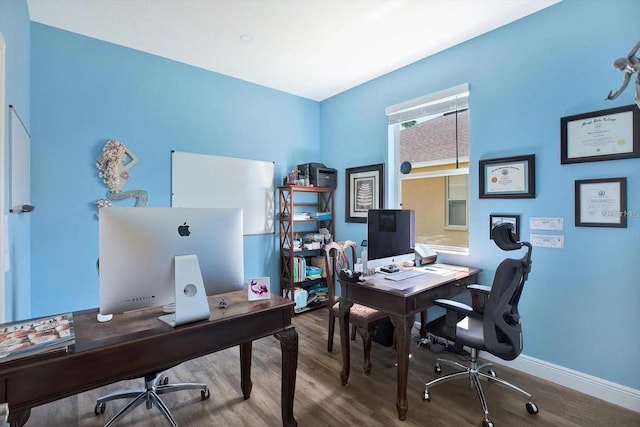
(456,306)
(483,289)
(479,295)
(456,311)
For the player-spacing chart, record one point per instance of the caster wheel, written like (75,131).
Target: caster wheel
(487,423)
(164,381)
(532,408)
(205,394)
(492,373)
(100,407)
(426,397)
(437,369)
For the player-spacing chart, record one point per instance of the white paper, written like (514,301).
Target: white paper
(600,202)
(547,241)
(506,178)
(598,136)
(546,223)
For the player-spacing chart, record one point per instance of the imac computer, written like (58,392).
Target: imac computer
(159,256)
(390,239)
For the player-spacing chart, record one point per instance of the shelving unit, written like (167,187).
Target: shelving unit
(294,200)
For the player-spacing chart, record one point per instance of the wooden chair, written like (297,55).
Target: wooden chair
(364,320)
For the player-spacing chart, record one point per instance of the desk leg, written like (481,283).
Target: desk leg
(245,369)
(403,327)
(20,419)
(345,342)
(289,346)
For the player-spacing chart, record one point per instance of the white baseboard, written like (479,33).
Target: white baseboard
(597,387)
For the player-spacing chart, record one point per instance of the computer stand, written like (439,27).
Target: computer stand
(191,306)
(191,298)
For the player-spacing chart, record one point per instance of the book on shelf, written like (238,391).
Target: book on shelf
(36,336)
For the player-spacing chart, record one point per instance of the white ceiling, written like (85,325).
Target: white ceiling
(311,48)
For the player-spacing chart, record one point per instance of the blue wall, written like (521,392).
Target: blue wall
(580,306)
(15,28)
(85,92)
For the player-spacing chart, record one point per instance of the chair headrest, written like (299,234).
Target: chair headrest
(504,237)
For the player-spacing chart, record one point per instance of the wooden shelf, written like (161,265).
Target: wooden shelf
(295,199)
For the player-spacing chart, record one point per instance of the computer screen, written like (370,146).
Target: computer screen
(138,247)
(390,237)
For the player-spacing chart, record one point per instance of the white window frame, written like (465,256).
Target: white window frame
(421,107)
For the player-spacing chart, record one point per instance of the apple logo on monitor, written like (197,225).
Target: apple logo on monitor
(183,230)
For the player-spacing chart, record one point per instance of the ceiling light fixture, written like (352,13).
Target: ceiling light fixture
(246,38)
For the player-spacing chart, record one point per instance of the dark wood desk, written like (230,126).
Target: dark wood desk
(402,306)
(103,352)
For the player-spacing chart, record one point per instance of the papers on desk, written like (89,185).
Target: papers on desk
(440,271)
(36,336)
(400,284)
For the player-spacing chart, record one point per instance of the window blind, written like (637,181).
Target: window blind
(447,100)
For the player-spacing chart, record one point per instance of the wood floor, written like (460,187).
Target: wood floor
(321,401)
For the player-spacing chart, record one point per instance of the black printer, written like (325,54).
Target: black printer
(319,174)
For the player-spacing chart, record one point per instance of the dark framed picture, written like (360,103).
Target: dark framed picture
(508,177)
(497,219)
(365,190)
(610,134)
(601,202)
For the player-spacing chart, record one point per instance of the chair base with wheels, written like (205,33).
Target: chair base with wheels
(475,372)
(155,385)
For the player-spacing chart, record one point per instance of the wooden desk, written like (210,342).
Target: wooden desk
(103,352)
(402,306)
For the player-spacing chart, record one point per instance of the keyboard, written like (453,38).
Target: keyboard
(405,274)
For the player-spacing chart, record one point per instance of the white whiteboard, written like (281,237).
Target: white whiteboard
(207,181)
(19,147)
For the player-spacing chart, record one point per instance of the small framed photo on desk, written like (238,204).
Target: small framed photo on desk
(259,288)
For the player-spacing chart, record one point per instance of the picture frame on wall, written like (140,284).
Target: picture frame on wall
(364,191)
(508,177)
(609,134)
(601,202)
(497,219)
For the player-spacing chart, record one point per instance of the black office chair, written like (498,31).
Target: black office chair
(493,326)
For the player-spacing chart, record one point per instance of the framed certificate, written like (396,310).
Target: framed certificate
(508,177)
(601,202)
(601,135)
(497,219)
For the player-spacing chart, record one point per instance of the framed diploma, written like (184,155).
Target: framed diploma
(601,135)
(601,202)
(508,177)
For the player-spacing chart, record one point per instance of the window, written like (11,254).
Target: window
(457,194)
(429,165)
